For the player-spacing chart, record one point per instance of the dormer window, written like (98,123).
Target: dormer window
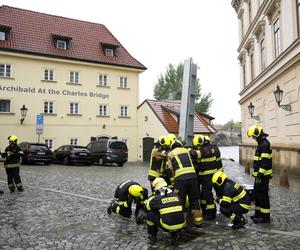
(61,42)
(109,49)
(4,32)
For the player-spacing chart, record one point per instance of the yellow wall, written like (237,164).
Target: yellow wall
(28,71)
(150,128)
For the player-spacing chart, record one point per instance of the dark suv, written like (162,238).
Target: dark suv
(35,152)
(108,150)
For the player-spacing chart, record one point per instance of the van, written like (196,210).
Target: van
(108,151)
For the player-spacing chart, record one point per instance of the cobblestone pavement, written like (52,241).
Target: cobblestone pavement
(64,207)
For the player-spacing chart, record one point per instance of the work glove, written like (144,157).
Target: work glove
(260,175)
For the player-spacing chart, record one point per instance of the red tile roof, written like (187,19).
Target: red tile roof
(167,110)
(31,32)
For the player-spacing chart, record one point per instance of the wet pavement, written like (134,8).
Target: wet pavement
(64,207)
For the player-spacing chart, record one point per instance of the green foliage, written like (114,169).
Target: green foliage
(169,87)
(232,126)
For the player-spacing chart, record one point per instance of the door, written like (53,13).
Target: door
(148,143)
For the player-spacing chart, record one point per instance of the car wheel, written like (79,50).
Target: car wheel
(120,164)
(66,160)
(101,161)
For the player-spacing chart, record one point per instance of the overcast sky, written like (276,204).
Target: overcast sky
(159,32)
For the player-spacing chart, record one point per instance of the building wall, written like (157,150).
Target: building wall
(27,72)
(282,70)
(148,126)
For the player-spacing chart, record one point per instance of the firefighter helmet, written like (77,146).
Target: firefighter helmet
(207,138)
(164,141)
(158,183)
(219,178)
(198,140)
(255,131)
(172,137)
(136,191)
(13,138)
(176,144)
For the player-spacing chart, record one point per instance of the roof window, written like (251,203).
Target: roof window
(61,42)
(4,32)
(109,49)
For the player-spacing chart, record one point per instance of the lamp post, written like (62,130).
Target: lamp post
(278,93)
(23,113)
(251,112)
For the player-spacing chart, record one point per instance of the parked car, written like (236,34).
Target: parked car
(35,153)
(109,151)
(72,154)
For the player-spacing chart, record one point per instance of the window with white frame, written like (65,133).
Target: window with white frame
(103,110)
(102,80)
(48,75)
(124,111)
(61,44)
(5,105)
(262,54)
(74,141)
(123,82)
(2,36)
(109,52)
(74,108)
(48,107)
(74,77)
(5,70)
(252,65)
(49,143)
(276,30)
(298,16)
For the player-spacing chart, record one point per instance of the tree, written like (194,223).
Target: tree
(169,87)
(232,126)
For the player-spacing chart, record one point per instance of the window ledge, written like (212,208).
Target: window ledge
(73,83)
(123,88)
(49,114)
(105,116)
(74,114)
(49,81)
(7,113)
(102,86)
(7,77)
(125,117)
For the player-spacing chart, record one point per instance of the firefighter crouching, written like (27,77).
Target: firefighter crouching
(181,168)
(158,159)
(164,210)
(206,167)
(262,164)
(125,194)
(12,156)
(232,198)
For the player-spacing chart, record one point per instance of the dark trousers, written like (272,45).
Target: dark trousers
(233,209)
(13,178)
(206,196)
(153,221)
(261,196)
(188,188)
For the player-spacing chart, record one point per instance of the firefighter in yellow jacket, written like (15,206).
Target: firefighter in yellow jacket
(262,164)
(164,210)
(180,167)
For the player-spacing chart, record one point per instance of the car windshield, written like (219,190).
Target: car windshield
(38,147)
(81,149)
(117,145)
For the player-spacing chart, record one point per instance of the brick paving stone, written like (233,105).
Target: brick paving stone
(64,207)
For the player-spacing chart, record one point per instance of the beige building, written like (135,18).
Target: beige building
(269,57)
(157,118)
(75,73)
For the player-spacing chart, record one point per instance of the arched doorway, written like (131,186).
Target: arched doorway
(148,143)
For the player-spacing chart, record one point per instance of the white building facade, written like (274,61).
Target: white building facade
(269,56)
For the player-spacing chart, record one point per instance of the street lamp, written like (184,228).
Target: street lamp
(278,93)
(251,112)
(23,113)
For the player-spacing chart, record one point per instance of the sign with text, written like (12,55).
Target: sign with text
(39,124)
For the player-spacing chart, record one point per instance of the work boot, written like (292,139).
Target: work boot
(262,220)
(239,222)
(256,215)
(20,189)
(175,237)
(12,190)
(109,209)
(1,192)
(152,239)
